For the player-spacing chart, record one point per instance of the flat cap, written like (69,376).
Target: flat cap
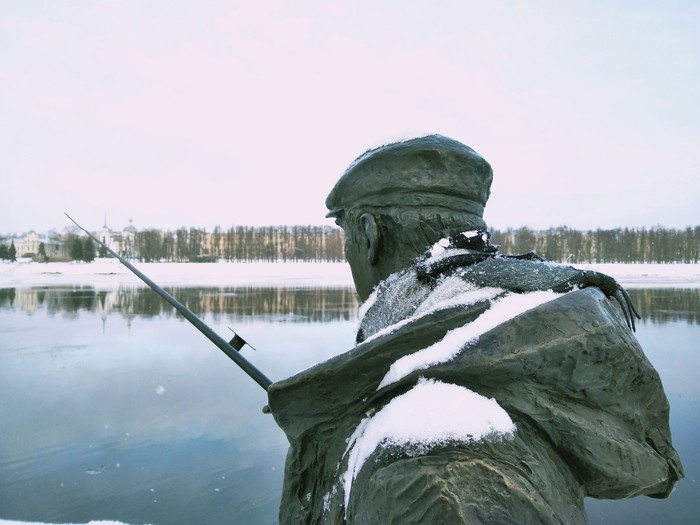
(431,171)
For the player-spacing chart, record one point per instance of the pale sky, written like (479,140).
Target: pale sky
(186,113)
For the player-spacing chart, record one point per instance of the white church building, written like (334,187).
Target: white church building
(123,242)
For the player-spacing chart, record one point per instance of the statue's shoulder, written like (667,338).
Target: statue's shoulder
(333,388)
(330,387)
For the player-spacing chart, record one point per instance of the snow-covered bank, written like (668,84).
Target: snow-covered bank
(10,522)
(109,273)
(650,275)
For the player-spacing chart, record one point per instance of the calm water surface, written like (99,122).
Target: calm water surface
(114,407)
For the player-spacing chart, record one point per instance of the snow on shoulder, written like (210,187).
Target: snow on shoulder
(424,418)
(502,309)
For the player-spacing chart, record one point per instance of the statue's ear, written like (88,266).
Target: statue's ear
(371,232)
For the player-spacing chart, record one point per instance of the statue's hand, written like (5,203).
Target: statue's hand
(611,288)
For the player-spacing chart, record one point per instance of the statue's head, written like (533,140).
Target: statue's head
(397,200)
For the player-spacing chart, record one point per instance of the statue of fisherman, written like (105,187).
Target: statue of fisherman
(484,388)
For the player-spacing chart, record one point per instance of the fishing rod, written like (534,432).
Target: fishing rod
(231,348)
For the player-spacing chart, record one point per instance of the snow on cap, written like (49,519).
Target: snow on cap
(431,171)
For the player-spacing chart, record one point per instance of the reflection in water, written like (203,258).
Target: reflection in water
(658,305)
(306,305)
(663,305)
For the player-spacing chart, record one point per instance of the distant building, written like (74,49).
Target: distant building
(129,248)
(29,246)
(109,238)
(56,248)
(123,242)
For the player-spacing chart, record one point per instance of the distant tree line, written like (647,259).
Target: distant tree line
(8,252)
(80,248)
(242,243)
(325,244)
(619,245)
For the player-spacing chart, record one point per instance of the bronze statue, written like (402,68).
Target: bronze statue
(533,389)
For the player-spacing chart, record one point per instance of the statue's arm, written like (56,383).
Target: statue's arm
(611,288)
(529,275)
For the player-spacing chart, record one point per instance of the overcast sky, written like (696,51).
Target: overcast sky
(186,113)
